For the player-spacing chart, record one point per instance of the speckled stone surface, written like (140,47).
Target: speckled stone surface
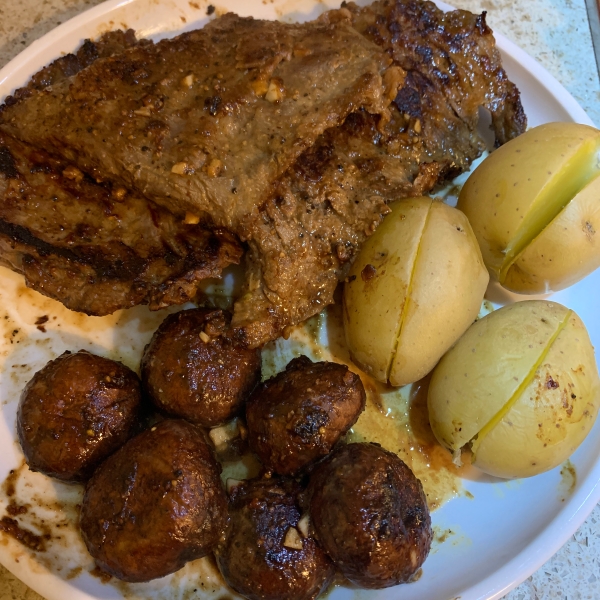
(556,33)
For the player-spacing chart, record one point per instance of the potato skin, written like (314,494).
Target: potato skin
(522,385)
(501,348)
(552,416)
(414,288)
(377,286)
(446,290)
(533,213)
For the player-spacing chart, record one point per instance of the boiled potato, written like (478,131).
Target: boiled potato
(521,386)
(414,288)
(534,205)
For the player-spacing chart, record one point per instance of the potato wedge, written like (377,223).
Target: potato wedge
(531,205)
(521,386)
(414,288)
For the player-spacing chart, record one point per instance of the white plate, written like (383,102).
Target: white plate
(498,537)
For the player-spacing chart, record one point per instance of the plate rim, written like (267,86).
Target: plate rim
(579,505)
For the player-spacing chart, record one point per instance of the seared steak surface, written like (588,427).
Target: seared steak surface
(336,193)
(206,121)
(96,247)
(93,246)
(292,137)
(110,43)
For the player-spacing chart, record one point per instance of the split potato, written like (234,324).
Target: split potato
(534,205)
(414,288)
(521,387)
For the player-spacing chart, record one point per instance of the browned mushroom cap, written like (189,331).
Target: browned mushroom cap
(155,504)
(269,553)
(370,515)
(75,412)
(299,415)
(192,370)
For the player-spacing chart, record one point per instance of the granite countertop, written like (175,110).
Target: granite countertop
(556,33)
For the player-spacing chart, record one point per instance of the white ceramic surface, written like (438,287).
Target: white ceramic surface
(499,536)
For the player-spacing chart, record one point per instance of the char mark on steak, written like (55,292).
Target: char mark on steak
(336,194)
(96,247)
(292,137)
(206,121)
(455,51)
(110,43)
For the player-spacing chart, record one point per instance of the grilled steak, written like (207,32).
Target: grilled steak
(336,193)
(110,43)
(93,246)
(96,247)
(206,121)
(452,61)
(285,135)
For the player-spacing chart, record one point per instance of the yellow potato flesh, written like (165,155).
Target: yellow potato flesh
(448,282)
(553,414)
(414,288)
(478,376)
(521,187)
(524,400)
(377,287)
(565,251)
